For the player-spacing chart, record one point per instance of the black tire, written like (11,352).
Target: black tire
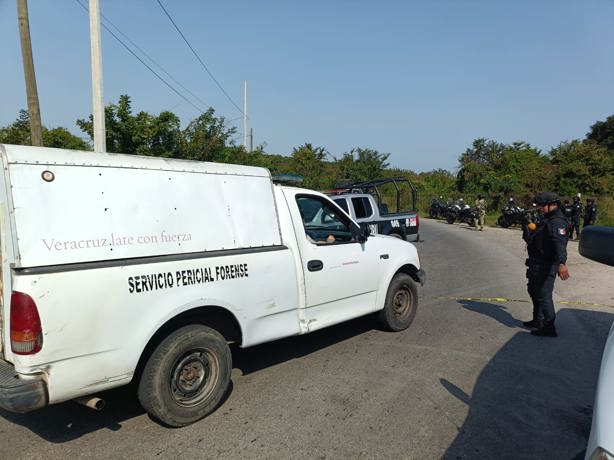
(401,303)
(450,218)
(186,376)
(433,214)
(502,222)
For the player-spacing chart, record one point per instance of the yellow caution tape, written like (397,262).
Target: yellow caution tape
(503,300)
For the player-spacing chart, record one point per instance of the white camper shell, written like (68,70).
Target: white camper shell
(121,267)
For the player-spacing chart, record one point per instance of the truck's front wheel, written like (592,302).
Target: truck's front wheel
(401,303)
(186,376)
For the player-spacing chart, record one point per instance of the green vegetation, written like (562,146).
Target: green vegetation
(493,169)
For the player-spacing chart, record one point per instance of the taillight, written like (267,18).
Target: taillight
(418,220)
(26,330)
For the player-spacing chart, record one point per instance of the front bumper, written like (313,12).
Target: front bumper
(19,395)
(420,276)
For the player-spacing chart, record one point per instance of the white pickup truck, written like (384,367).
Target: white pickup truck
(122,268)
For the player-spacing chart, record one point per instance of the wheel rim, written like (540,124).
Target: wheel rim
(402,302)
(193,377)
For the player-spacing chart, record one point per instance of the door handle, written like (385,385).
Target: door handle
(315,265)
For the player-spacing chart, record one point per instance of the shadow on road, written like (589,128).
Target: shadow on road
(534,398)
(64,422)
(67,421)
(495,311)
(253,359)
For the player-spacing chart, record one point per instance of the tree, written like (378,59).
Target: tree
(602,132)
(308,161)
(582,167)
(163,136)
(141,134)
(206,137)
(18,133)
(478,164)
(63,139)
(361,164)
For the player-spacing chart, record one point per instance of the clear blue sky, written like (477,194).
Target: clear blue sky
(417,79)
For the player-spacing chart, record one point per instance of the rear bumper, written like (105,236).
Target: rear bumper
(19,395)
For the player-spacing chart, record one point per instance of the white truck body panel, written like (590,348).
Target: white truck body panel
(179,238)
(97,193)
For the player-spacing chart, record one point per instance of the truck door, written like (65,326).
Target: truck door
(340,273)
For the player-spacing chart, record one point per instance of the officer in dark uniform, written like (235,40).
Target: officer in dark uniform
(591,212)
(566,209)
(576,213)
(547,248)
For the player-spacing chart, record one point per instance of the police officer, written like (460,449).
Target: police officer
(591,212)
(576,212)
(567,211)
(547,248)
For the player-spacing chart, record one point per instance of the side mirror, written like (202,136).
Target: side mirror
(360,234)
(597,243)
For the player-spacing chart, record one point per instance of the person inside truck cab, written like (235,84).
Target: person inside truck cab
(329,239)
(319,221)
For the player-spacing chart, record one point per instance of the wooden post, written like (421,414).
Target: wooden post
(36,130)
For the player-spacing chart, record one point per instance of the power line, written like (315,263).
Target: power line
(153,61)
(146,65)
(198,57)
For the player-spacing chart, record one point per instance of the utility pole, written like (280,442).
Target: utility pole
(34,113)
(100,142)
(245,115)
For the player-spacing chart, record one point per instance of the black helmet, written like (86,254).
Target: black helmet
(546,198)
(480,196)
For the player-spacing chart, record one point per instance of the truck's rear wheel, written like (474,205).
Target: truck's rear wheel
(401,303)
(186,376)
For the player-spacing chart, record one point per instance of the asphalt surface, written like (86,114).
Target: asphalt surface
(464,381)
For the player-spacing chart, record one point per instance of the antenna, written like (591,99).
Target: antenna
(245,115)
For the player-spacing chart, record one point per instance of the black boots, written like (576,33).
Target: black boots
(540,329)
(545,331)
(533,324)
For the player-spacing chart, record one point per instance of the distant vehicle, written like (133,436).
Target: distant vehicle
(461,212)
(597,243)
(512,215)
(385,206)
(438,208)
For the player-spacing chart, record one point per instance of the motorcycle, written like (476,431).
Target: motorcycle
(462,213)
(511,215)
(437,209)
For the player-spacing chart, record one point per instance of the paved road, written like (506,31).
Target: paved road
(465,381)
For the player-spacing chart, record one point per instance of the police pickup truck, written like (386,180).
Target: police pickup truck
(384,206)
(124,268)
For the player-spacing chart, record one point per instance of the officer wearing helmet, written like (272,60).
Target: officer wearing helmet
(591,212)
(576,213)
(547,250)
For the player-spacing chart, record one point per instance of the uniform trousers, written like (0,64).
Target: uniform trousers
(575,225)
(540,286)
